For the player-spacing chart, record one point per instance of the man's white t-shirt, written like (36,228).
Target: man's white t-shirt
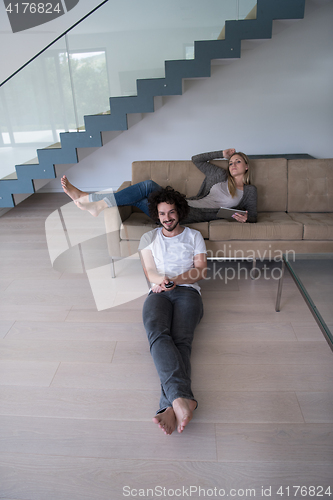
(174,255)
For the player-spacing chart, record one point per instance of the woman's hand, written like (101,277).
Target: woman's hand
(227,153)
(240,217)
(157,289)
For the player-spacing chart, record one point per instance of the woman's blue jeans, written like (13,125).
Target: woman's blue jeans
(135,195)
(170,319)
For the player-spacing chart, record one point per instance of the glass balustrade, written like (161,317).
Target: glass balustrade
(36,105)
(103,56)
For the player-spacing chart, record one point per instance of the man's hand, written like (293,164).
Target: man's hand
(227,153)
(165,282)
(240,217)
(161,287)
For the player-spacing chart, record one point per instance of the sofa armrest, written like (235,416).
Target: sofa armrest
(113,218)
(124,185)
(125,212)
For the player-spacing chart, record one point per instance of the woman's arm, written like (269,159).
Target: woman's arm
(202,161)
(249,202)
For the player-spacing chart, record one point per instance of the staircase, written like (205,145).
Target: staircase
(17,187)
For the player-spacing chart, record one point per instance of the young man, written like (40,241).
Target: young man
(173,259)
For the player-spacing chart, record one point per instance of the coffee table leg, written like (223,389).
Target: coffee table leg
(278,298)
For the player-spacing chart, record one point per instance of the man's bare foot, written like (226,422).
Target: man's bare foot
(183,409)
(166,421)
(71,190)
(94,207)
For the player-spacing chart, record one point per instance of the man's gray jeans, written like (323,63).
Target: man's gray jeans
(170,319)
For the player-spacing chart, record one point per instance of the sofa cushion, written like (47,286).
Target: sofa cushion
(270,226)
(135,226)
(139,223)
(317,226)
(182,175)
(310,185)
(270,177)
(203,227)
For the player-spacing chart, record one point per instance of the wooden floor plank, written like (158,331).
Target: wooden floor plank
(107,376)
(317,407)
(101,332)
(114,315)
(33,312)
(4,284)
(79,403)
(253,407)
(274,442)
(27,373)
(105,439)
(263,377)
(5,327)
(39,291)
(251,332)
(305,332)
(57,350)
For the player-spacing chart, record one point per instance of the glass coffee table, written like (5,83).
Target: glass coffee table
(313,275)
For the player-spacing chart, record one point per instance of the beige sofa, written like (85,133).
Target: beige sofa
(295,209)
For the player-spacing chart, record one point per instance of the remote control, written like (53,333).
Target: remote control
(169,285)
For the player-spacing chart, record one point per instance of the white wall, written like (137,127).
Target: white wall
(276,99)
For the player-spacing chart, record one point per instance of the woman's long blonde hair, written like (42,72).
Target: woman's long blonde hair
(246,176)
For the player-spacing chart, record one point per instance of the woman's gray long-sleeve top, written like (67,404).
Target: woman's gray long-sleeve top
(214,175)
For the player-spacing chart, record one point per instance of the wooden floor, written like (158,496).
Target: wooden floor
(78,388)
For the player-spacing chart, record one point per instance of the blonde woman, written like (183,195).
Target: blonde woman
(221,188)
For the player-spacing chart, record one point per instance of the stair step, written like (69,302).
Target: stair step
(34,161)
(57,145)
(10,176)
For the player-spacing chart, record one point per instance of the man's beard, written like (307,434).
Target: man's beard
(172,227)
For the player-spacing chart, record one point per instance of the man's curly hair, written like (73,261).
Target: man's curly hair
(168,195)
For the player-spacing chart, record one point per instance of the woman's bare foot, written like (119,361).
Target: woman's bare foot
(71,190)
(183,409)
(93,207)
(166,421)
